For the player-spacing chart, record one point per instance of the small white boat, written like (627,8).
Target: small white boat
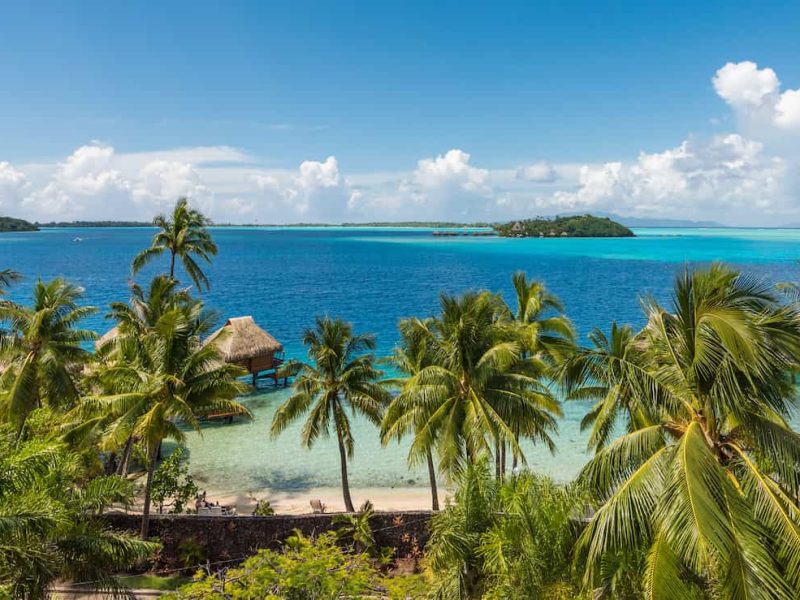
(78,239)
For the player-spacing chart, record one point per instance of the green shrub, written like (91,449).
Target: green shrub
(304,570)
(504,539)
(173,487)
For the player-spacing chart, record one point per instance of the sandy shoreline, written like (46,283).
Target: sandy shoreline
(296,502)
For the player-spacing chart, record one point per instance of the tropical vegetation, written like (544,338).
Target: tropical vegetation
(49,525)
(509,538)
(704,478)
(691,490)
(305,569)
(575,226)
(184,236)
(339,377)
(8,224)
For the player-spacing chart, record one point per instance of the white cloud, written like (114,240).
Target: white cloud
(12,185)
(746,175)
(451,169)
(695,179)
(540,172)
(756,97)
(744,85)
(315,174)
(787,109)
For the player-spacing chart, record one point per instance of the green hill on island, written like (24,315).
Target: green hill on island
(577,226)
(10,224)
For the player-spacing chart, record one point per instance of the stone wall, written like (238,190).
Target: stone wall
(196,539)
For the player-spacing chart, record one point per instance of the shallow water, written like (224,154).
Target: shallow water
(373,277)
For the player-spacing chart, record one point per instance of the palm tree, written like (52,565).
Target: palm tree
(537,316)
(407,414)
(8,277)
(49,525)
(706,478)
(42,351)
(340,374)
(612,371)
(478,386)
(135,320)
(184,235)
(172,378)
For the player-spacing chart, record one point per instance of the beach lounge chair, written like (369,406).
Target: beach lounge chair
(203,511)
(216,511)
(317,506)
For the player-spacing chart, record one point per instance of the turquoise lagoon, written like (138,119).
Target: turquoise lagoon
(373,277)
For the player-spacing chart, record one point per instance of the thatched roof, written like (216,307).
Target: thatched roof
(106,337)
(240,339)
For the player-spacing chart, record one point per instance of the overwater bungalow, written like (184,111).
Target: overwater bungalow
(242,342)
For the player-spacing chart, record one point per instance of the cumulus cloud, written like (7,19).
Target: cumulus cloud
(540,172)
(746,175)
(755,95)
(94,182)
(728,172)
(12,185)
(450,169)
(447,186)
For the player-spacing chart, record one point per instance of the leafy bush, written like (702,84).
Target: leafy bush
(504,539)
(306,569)
(48,520)
(263,507)
(173,487)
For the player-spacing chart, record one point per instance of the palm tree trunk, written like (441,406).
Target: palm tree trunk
(172,264)
(148,488)
(434,490)
(20,430)
(125,459)
(516,439)
(503,459)
(497,456)
(348,501)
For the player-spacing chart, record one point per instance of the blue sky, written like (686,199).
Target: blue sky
(379,87)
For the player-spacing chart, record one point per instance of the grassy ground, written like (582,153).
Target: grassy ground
(154,582)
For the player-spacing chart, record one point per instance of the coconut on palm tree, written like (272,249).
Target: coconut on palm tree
(184,236)
(340,377)
(42,351)
(705,479)
(172,378)
(406,413)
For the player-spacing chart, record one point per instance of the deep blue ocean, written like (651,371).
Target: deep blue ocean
(373,277)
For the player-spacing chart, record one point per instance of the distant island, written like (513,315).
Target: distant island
(10,224)
(576,226)
(96,224)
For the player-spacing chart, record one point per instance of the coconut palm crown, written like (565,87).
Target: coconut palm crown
(184,235)
(705,479)
(171,379)
(339,377)
(42,350)
(479,390)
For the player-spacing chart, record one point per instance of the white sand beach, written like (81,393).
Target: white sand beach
(299,502)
